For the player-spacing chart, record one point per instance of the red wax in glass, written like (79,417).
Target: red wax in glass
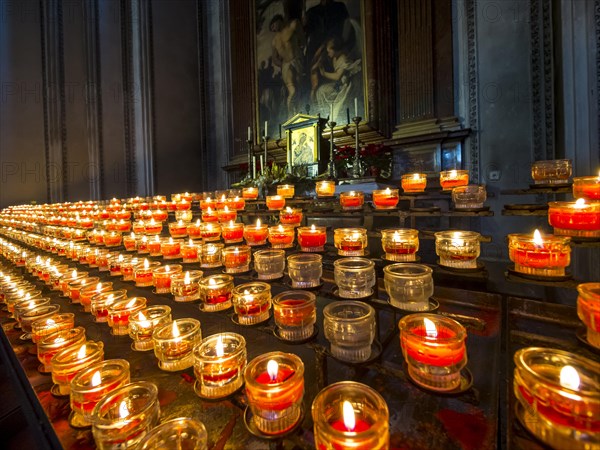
(283,374)
(143,277)
(360,426)
(153,246)
(310,239)
(460,180)
(170,249)
(400,249)
(281,238)
(178,230)
(212,217)
(92,398)
(433,354)
(273,203)
(189,252)
(256,235)
(538,257)
(414,185)
(387,201)
(572,219)
(194,231)
(251,309)
(348,246)
(351,202)
(226,216)
(210,234)
(220,376)
(233,260)
(205,204)
(591,192)
(230,234)
(290,218)
(215,299)
(295,318)
(160,215)
(183,206)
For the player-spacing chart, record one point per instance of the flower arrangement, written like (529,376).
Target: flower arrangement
(375,160)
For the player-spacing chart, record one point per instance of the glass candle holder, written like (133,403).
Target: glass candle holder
(471,196)
(275,388)
(350,241)
(141,245)
(256,234)
(588,310)
(113,239)
(75,275)
(236,203)
(143,322)
(161,277)
(305,271)
(348,415)
(160,215)
(208,202)
(219,363)
(252,302)
(295,314)
(46,326)
(354,277)
(174,344)
(414,182)
(291,216)
(385,198)
(170,248)
(558,397)
(184,216)
(409,286)
(216,292)
(226,214)
(401,244)
(352,200)
(178,229)
(190,252)
(129,242)
(221,198)
(211,255)
(587,187)
(232,232)
(209,215)
(139,227)
(53,343)
(312,239)
(75,287)
(91,384)
(539,255)
(114,264)
(25,306)
(237,259)
(194,229)
(39,313)
(119,313)
(350,329)
(101,302)
(142,273)
(578,219)
(152,227)
(434,349)
(325,188)
(124,416)
(555,171)
(282,236)
(21,296)
(71,360)
(250,193)
(457,249)
(449,179)
(185,286)
(176,434)
(269,264)
(286,190)
(210,231)
(275,202)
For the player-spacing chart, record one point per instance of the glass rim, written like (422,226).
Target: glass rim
(451,234)
(457,327)
(419,269)
(310,298)
(241,345)
(553,238)
(361,263)
(195,328)
(110,399)
(368,309)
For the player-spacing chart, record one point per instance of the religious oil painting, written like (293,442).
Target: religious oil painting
(310,59)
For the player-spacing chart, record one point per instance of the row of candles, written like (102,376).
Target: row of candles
(428,377)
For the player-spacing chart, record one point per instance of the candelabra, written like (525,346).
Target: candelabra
(356,165)
(250,162)
(332,171)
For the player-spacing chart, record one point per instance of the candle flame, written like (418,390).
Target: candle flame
(280,228)
(272,369)
(219,348)
(569,378)
(152,222)
(98,287)
(312,227)
(580,203)
(351,193)
(349,418)
(132,235)
(123,410)
(387,191)
(209,210)
(236,251)
(141,316)
(226,209)
(156,238)
(288,210)
(130,303)
(537,238)
(453,174)
(208,199)
(191,242)
(74,273)
(146,263)
(180,223)
(430,328)
(209,227)
(223,197)
(416,176)
(212,281)
(257,223)
(50,322)
(456,240)
(81,352)
(170,240)
(396,237)
(198,222)
(120,258)
(144,239)
(186,278)
(96,378)
(231,223)
(175,330)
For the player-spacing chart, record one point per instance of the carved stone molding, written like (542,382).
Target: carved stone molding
(473,74)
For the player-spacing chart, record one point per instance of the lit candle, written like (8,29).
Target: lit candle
(119,313)
(400,244)
(275,202)
(414,182)
(237,259)
(325,188)
(539,255)
(207,203)
(71,360)
(177,229)
(450,179)
(350,241)
(458,249)
(190,252)
(112,239)
(312,239)
(286,190)
(232,232)
(281,236)
(194,230)
(587,187)
(216,292)
(102,301)
(252,302)
(128,242)
(352,200)
(291,216)
(209,215)
(256,234)
(434,349)
(57,322)
(236,203)
(152,227)
(170,249)
(86,293)
(385,198)
(53,343)
(211,255)
(161,277)
(174,343)
(185,287)
(153,245)
(578,219)
(210,231)
(588,310)
(250,193)
(142,273)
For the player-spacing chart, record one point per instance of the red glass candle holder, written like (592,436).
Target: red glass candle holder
(236,203)
(400,244)
(86,293)
(226,214)
(190,252)
(209,215)
(578,219)
(178,229)
(237,259)
(216,292)
(161,277)
(160,215)
(458,249)
(386,198)
(152,227)
(232,232)
(250,193)
(142,273)
(275,202)
(170,249)
(434,349)
(70,361)
(185,286)
(281,236)
(588,310)
(102,301)
(352,200)
(587,187)
(210,231)
(291,216)
(129,241)
(414,182)
(209,203)
(541,255)
(120,311)
(194,230)
(256,234)
(312,239)
(113,239)
(143,323)
(449,179)
(153,245)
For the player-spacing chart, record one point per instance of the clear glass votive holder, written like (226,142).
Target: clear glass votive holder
(232,232)
(325,188)
(350,241)
(124,416)
(252,302)
(400,244)
(558,397)
(51,344)
(457,249)
(142,273)
(25,306)
(286,190)
(75,287)
(354,277)
(120,311)
(295,314)
(350,329)
(46,326)
(588,310)
(185,286)
(40,313)
(275,389)
(237,259)
(350,415)
(472,196)
(176,434)
(71,360)
(174,344)
(216,292)
(211,255)
(434,349)
(553,171)
(219,363)
(409,286)
(161,277)
(91,384)
(305,270)
(256,234)
(86,293)
(143,322)
(269,264)
(102,301)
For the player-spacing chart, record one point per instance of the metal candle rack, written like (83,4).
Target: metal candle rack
(356,166)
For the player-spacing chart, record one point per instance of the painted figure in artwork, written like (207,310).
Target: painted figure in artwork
(303,150)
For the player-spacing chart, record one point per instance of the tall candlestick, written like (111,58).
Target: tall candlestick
(266,129)
(262,164)
(355,107)
(331,111)
(253,166)
(249,133)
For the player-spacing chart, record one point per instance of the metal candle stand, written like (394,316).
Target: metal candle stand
(356,166)
(332,171)
(250,165)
